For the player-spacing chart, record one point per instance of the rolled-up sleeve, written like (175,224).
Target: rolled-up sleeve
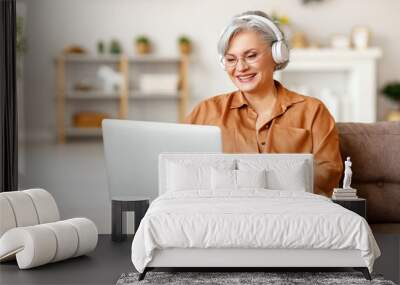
(327,159)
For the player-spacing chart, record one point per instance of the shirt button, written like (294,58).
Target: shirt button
(263,143)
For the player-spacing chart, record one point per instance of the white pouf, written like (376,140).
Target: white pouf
(31,232)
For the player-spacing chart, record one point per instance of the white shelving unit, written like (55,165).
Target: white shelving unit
(345,80)
(71,68)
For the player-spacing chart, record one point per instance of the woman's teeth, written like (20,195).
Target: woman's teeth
(245,78)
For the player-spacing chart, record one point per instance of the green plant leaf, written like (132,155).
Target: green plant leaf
(392,90)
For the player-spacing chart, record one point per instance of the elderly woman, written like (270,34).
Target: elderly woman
(262,116)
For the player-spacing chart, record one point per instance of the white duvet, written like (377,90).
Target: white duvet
(251,218)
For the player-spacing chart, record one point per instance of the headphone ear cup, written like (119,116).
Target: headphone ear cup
(280,52)
(275,55)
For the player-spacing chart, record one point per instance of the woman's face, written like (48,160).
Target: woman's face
(247,46)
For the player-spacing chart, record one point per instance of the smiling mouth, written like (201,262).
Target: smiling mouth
(246,78)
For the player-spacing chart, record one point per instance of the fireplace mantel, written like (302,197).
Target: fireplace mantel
(345,80)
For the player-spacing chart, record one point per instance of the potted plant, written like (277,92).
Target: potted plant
(100,47)
(185,45)
(392,91)
(142,45)
(115,47)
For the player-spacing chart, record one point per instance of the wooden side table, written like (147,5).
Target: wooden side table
(120,204)
(357,205)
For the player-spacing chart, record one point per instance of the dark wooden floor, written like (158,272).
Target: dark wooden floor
(102,266)
(110,259)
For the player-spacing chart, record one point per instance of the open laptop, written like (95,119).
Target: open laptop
(132,148)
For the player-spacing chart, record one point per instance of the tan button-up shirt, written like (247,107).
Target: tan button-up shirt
(298,124)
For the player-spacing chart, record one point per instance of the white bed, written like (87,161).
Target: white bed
(201,220)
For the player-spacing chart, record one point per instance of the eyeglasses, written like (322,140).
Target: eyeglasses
(250,58)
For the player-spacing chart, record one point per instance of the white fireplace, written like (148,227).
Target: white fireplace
(345,80)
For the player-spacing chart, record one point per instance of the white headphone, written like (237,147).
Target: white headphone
(280,51)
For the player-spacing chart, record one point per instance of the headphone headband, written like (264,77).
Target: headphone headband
(266,21)
(279,49)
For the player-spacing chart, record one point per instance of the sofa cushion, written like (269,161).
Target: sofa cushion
(390,228)
(374,149)
(383,201)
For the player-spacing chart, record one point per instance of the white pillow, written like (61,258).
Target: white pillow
(237,179)
(251,178)
(187,177)
(293,179)
(223,179)
(193,173)
(281,174)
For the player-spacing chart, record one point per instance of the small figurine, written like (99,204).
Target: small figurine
(347,174)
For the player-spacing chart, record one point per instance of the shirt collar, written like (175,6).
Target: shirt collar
(238,100)
(286,98)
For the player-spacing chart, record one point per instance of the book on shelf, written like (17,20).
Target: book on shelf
(345,194)
(350,195)
(344,198)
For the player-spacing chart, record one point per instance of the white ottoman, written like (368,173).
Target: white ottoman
(31,233)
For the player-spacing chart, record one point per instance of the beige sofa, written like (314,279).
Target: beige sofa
(375,152)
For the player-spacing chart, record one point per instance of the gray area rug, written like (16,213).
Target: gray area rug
(228,278)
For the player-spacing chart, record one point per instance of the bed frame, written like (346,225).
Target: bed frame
(246,259)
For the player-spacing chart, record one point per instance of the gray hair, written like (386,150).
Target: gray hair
(238,25)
